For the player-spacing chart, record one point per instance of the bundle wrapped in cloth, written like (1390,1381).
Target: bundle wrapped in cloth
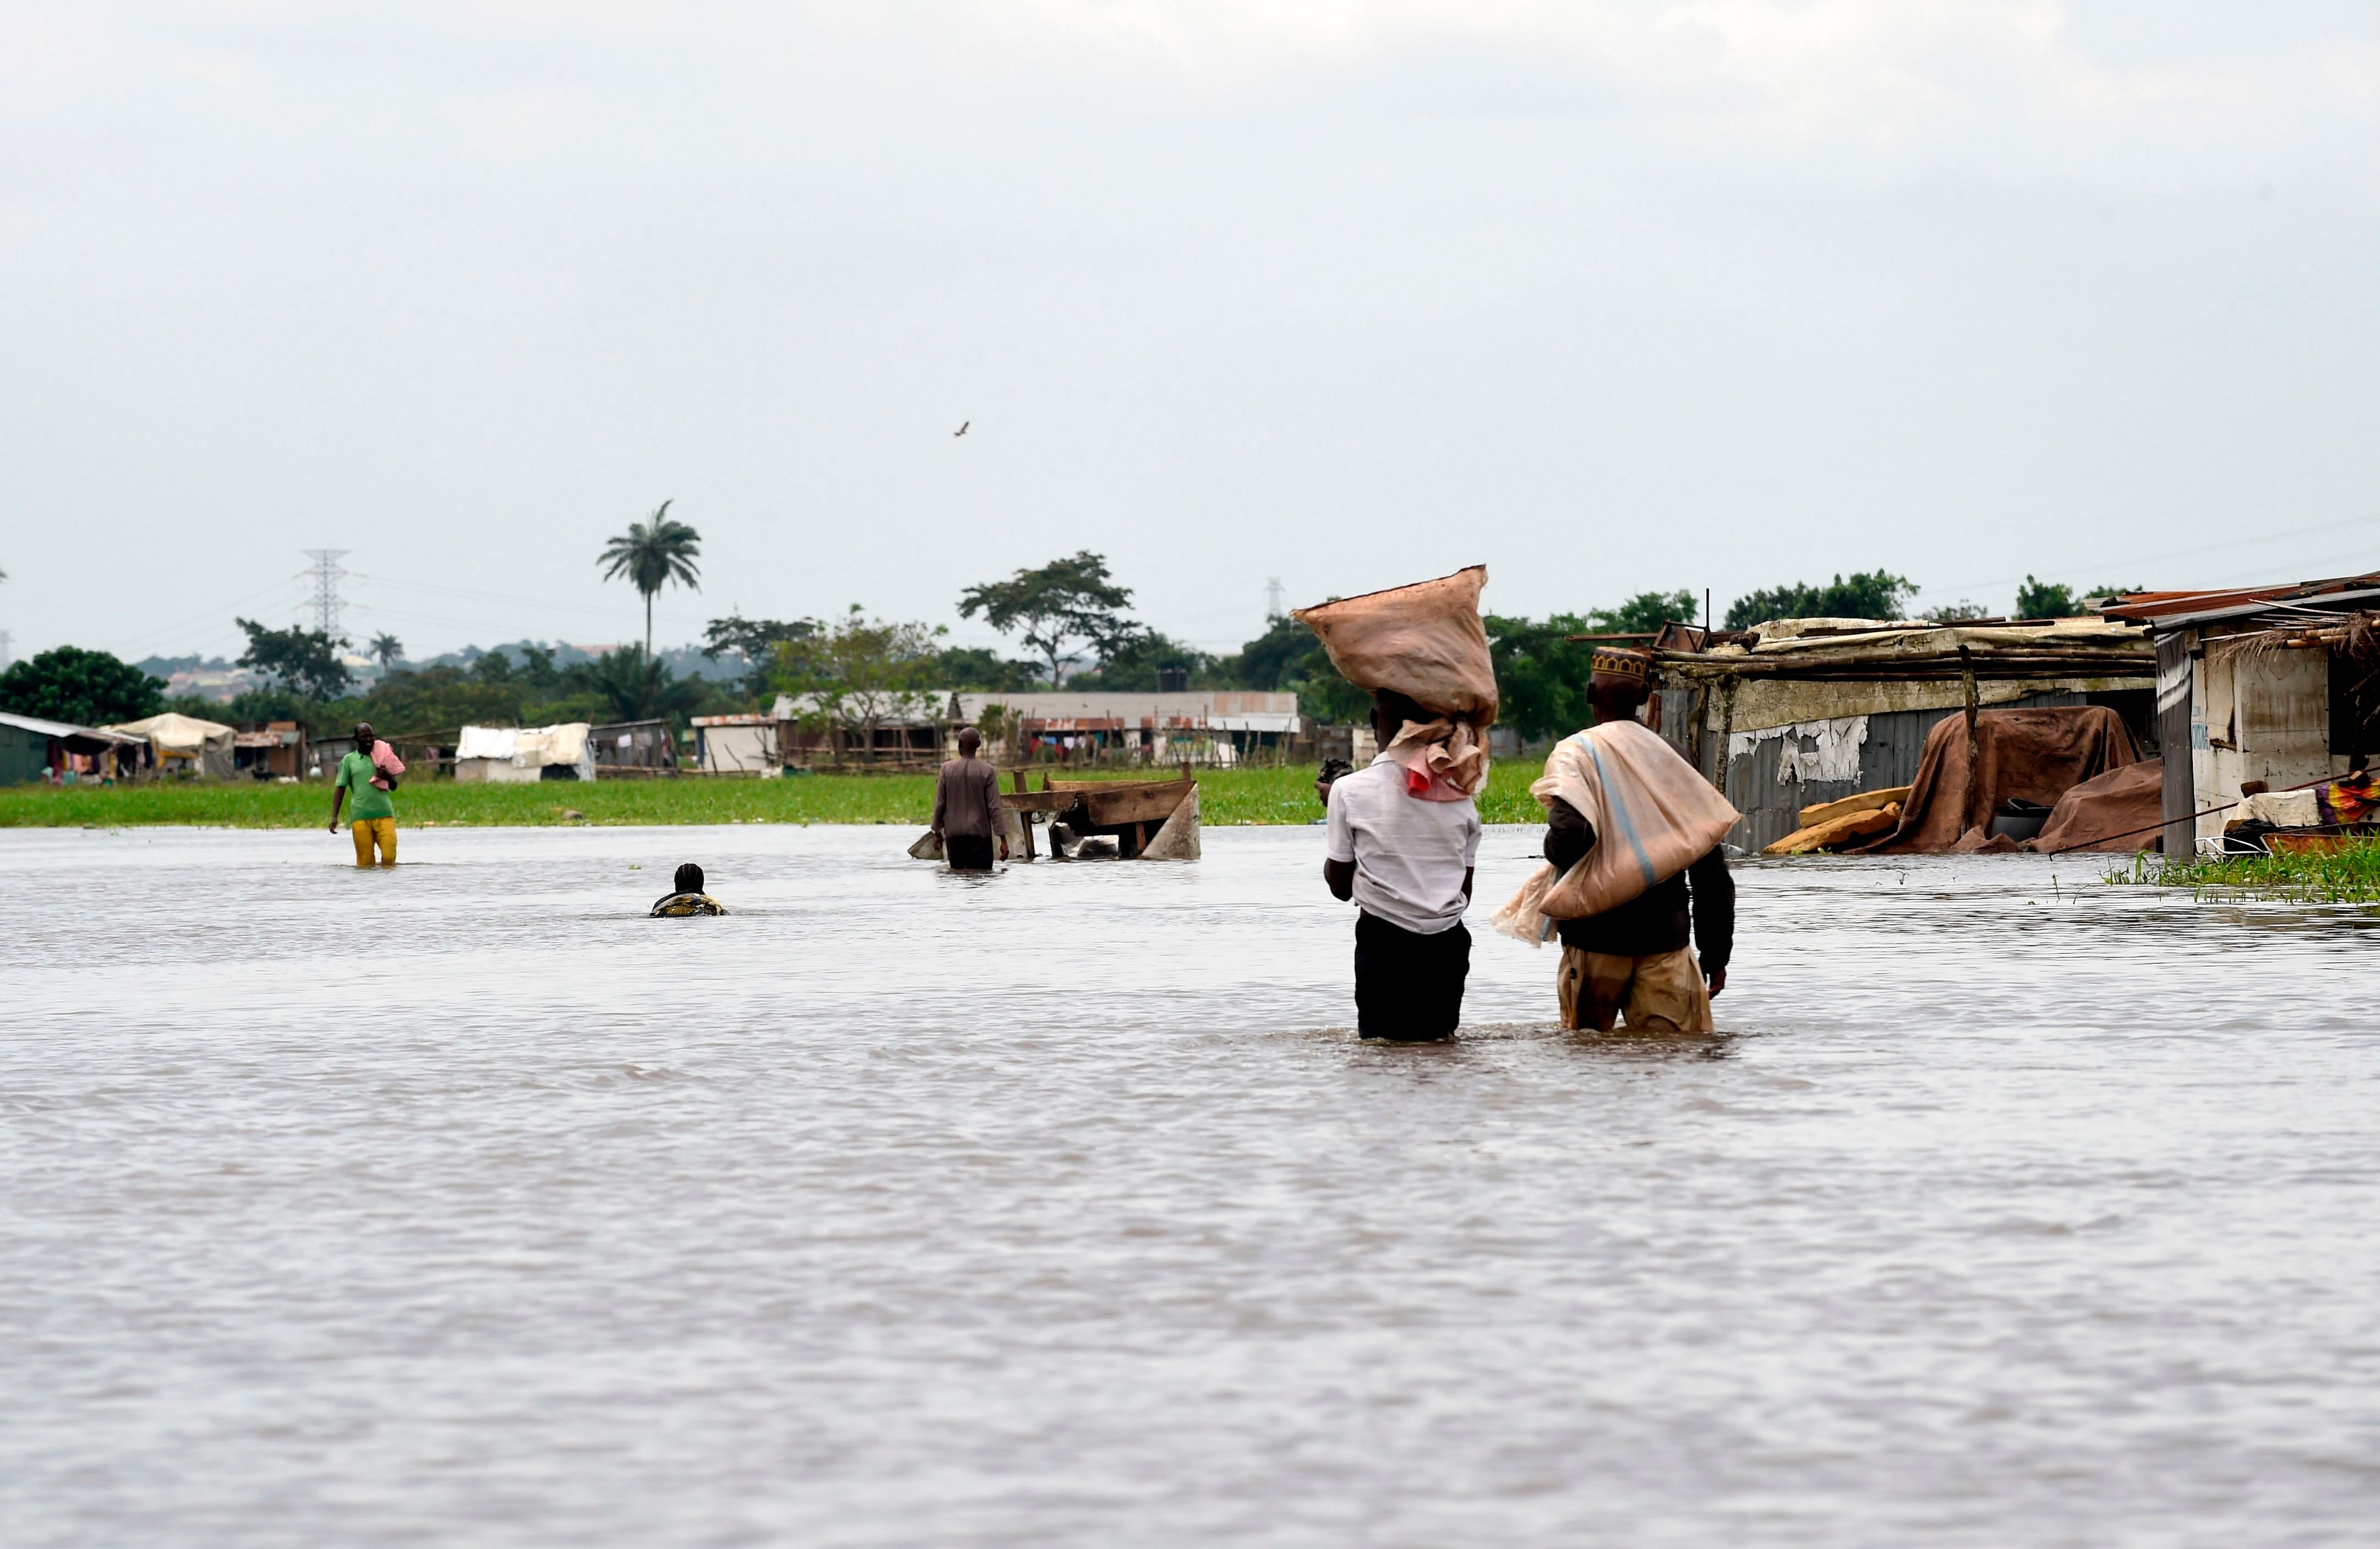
(1652,816)
(1426,642)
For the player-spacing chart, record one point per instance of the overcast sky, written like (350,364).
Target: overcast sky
(1610,295)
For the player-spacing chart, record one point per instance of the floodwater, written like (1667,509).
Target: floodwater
(458,1204)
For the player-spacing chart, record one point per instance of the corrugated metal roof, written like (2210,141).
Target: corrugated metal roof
(66,728)
(2165,609)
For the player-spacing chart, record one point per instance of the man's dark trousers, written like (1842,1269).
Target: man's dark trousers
(1408,986)
(968,852)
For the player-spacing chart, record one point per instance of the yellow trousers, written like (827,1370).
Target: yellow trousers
(375,831)
(1661,993)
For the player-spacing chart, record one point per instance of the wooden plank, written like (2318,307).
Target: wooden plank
(1865,801)
(1135,804)
(1042,800)
(1842,830)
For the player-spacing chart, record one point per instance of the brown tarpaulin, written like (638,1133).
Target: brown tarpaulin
(2114,814)
(2030,755)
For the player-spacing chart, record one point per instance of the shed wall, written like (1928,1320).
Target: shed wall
(24,755)
(1896,743)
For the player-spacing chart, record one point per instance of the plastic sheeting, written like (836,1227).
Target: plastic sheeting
(208,744)
(2114,814)
(526,747)
(2034,755)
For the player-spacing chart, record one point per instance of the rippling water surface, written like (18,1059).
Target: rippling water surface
(460,1204)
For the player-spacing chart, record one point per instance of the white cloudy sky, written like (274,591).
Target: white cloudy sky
(1610,294)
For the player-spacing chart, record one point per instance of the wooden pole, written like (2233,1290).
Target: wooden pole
(1726,736)
(1974,747)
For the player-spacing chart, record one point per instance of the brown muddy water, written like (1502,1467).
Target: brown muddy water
(461,1205)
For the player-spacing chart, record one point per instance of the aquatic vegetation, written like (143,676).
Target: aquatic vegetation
(1225,796)
(2349,875)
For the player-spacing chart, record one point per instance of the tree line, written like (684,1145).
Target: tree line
(1072,615)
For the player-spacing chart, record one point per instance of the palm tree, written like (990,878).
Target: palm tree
(651,557)
(387,650)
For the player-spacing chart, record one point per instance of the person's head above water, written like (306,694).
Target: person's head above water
(689,878)
(969,740)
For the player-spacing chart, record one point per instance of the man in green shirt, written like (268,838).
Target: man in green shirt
(373,816)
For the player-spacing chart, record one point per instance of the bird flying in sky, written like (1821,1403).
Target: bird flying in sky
(962,429)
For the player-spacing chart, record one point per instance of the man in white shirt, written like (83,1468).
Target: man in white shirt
(1406,863)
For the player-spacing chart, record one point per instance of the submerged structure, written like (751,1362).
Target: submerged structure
(1801,713)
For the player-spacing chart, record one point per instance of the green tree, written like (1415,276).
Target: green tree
(1274,660)
(637,687)
(2039,599)
(387,650)
(305,662)
(980,669)
(1876,594)
(1134,667)
(860,673)
(1289,657)
(753,642)
(1052,609)
(1541,674)
(84,687)
(435,698)
(1642,615)
(652,555)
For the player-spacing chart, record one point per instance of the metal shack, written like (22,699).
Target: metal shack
(1803,710)
(32,749)
(737,745)
(2278,683)
(628,748)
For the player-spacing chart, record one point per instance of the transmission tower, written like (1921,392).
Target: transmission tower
(325,575)
(1273,598)
(5,655)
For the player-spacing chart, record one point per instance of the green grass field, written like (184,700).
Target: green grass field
(2349,876)
(1225,797)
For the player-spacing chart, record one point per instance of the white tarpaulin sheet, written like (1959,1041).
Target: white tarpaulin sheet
(1833,752)
(488,742)
(526,747)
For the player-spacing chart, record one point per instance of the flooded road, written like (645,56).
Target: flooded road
(460,1204)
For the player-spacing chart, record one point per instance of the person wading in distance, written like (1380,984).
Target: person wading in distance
(371,773)
(969,817)
(1406,862)
(1633,961)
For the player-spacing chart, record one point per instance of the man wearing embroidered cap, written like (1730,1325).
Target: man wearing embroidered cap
(1634,867)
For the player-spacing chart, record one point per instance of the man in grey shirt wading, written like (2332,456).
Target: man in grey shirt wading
(967,812)
(1406,862)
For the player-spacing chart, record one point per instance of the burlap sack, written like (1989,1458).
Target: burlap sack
(1653,817)
(1425,641)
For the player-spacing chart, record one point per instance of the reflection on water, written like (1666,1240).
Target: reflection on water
(463,1203)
